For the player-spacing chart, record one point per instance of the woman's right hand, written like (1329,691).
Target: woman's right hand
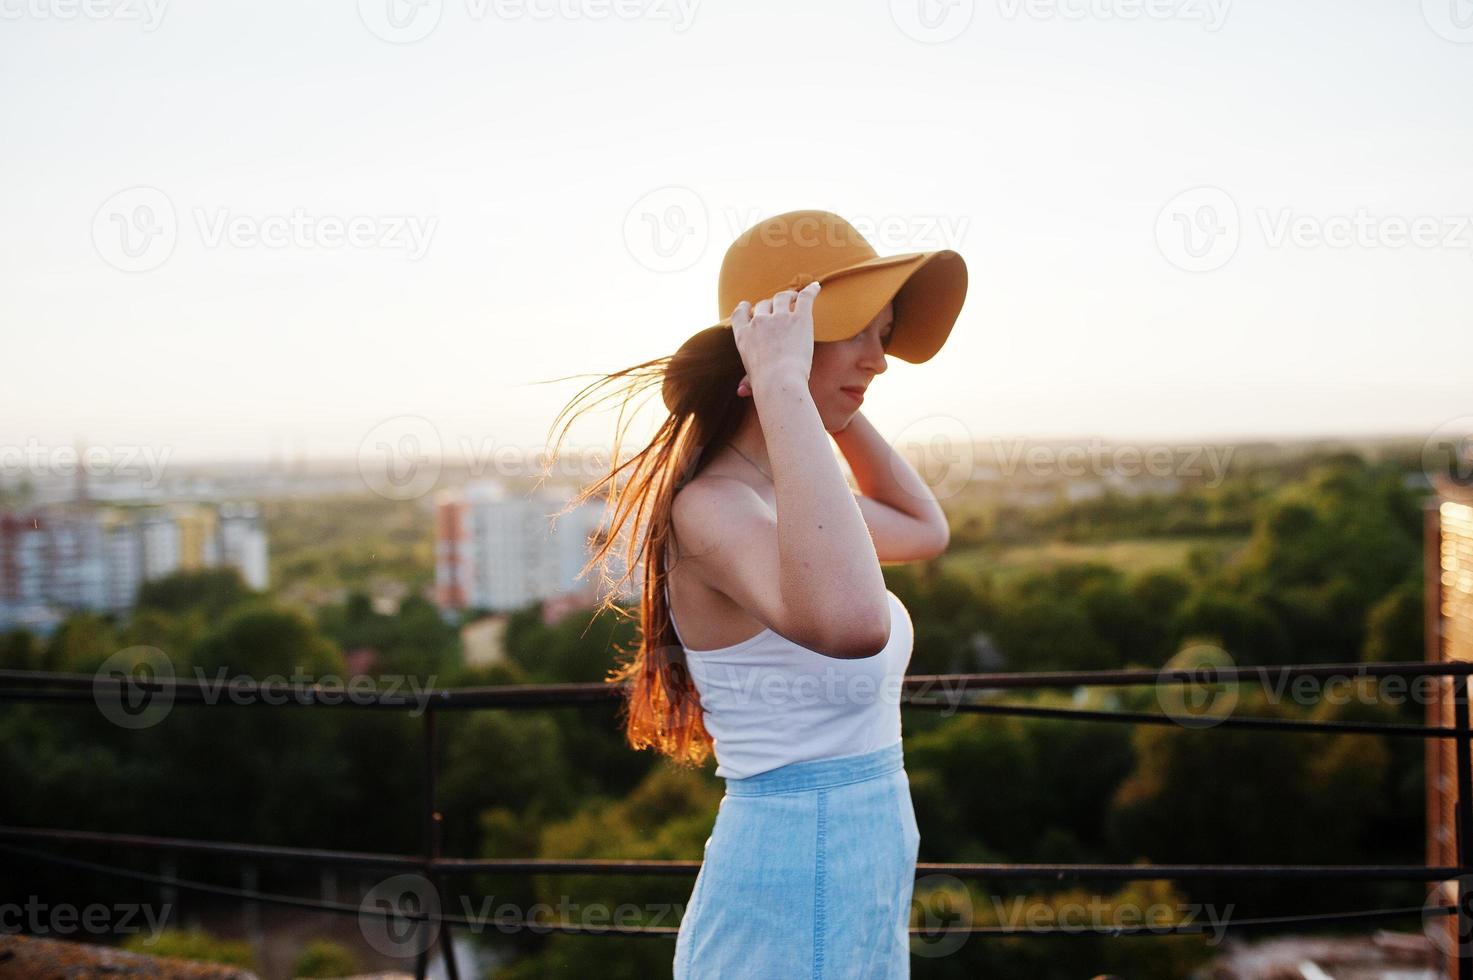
(775,336)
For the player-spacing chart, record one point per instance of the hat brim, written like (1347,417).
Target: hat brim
(928,289)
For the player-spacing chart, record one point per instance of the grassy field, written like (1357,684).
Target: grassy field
(327,543)
(1130,555)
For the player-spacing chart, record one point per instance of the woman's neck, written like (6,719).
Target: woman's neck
(749,442)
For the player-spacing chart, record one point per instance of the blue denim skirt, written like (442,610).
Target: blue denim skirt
(808,873)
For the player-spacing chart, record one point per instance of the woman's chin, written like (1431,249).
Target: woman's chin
(839,419)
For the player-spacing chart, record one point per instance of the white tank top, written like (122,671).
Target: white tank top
(768,701)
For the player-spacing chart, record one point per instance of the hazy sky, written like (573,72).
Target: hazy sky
(1181,217)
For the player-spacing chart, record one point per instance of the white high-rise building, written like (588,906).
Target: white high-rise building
(96,559)
(499,551)
(76,567)
(159,539)
(122,547)
(242,537)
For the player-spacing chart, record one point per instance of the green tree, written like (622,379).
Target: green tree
(668,816)
(211,591)
(1236,796)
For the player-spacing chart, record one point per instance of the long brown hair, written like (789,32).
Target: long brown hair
(660,707)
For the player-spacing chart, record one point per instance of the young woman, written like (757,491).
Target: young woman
(790,651)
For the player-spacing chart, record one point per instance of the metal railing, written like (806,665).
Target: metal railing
(37,686)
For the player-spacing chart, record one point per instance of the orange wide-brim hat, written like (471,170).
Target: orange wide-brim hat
(788,251)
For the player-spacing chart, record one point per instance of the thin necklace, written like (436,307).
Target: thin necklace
(749,459)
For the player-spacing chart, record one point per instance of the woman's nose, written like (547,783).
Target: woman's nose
(874,355)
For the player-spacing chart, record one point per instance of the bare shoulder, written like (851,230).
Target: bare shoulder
(726,543)
(713,508)
(718,484)
(726,535)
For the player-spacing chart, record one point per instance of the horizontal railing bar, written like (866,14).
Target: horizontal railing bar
(1193,675)
(1119,872)
(366,859)
(669,932)
(1227,721)
(190,699)
(323,905)
(186,698)
(596,866)
(524,695)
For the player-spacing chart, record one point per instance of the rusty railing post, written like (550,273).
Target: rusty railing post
(1463,742)
(433,824)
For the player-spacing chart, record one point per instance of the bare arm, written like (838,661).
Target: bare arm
(904,519)
(810,572)
(828,562)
